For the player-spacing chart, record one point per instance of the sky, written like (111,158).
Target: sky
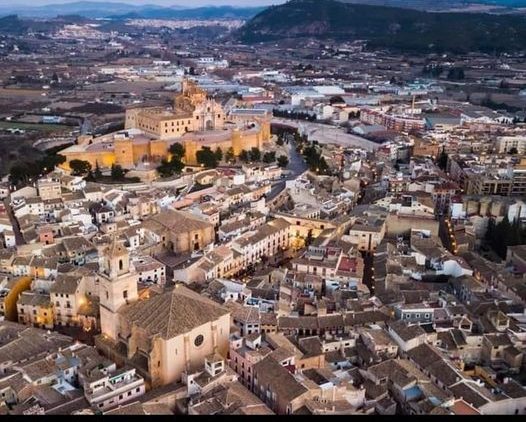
(186,3)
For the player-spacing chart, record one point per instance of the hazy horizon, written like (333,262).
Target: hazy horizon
(186,3)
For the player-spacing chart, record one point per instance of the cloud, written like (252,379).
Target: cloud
(185,3)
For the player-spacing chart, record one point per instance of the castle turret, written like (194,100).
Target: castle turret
(124,152)
(237,141)
(190,156)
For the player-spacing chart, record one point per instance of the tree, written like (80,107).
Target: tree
(79,167)
(490,231)
(280,141)
(337,99)
(19,173)
(229,156)
(117,173)
(283,161)
(433,70)
(177,150)
(244,156)
(219,154)
(314,160)
(49,162)
(513,150)
(456,74)
(255,154)
(269,157)
(309,238)
(442,159)
(169,168)
(206,157)
(97,174)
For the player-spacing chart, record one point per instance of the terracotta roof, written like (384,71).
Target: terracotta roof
(270,373)
(173,313)
(179,221)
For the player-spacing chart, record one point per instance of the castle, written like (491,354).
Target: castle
(195,120)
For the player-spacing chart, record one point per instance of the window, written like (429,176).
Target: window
(125,294)
(199,340)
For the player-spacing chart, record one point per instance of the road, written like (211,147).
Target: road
(368,271)
(19,239)
(326,134)
(295,167)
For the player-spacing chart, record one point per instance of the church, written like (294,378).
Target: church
(162,335)
(195,120)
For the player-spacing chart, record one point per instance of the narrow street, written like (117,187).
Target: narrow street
(16,228)
(368,271)
(295,167)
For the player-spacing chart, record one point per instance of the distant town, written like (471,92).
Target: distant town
(191,224)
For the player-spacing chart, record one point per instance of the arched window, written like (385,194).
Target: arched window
(121,265)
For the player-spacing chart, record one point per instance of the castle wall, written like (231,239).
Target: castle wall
(124,153)
(158,149)
(140,152)
(103,158)
(194,112)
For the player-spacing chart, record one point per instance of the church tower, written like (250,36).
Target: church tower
(118,286)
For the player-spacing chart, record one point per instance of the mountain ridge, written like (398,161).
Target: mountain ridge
(387,27)
(120,10)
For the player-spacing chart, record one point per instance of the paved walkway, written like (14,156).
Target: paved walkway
(326,134)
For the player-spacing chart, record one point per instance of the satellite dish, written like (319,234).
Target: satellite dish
(346,175)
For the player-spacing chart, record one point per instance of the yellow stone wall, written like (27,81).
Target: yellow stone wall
(45,316)
(158,148)
(124,153)
(103,158)
(140,151)
(127,153)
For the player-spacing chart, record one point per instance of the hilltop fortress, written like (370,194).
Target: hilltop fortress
(195,120)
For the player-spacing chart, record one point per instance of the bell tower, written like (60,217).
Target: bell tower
(118,286)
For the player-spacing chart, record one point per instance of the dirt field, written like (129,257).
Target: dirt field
(14,92)
(44,128)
